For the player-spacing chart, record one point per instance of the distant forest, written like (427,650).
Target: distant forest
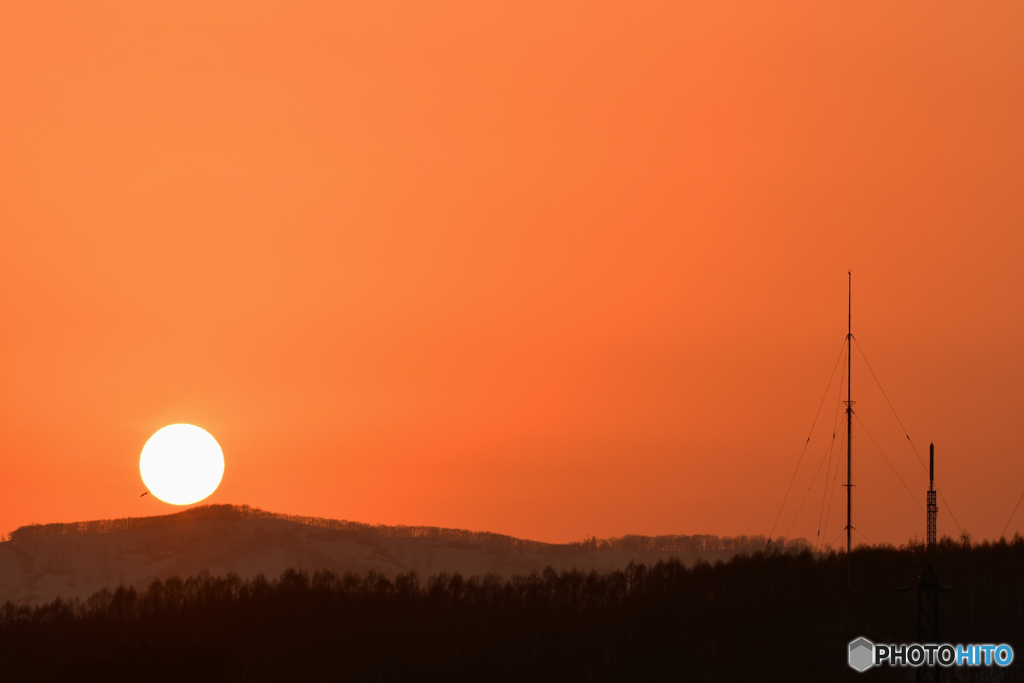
(672,543)
(778,615)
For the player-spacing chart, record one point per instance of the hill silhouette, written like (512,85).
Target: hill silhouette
(41,562)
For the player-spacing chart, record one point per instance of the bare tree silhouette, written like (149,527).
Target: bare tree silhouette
(763,616)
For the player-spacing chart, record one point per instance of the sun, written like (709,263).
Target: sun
(181,464)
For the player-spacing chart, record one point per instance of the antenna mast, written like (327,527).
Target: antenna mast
(849,422)
(933,508)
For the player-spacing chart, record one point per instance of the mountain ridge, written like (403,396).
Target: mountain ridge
(664,542)
(41,562)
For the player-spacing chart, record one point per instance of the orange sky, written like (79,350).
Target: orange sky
(546,268)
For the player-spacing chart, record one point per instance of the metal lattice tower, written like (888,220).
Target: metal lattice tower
(849,428)
(933,508)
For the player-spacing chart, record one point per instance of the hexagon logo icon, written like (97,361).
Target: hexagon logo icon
(862,654)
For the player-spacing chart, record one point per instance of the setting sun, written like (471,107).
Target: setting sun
(182,464)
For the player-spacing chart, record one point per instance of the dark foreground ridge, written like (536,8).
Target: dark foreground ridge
(764,616)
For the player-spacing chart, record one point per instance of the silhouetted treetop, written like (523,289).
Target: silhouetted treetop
(759,616)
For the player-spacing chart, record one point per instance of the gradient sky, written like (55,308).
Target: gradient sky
(551,269)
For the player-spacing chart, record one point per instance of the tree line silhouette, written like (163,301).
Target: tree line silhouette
(765,616)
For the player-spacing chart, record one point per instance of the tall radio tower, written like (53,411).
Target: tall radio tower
(849,422)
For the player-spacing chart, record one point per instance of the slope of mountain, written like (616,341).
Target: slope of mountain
(41,562)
